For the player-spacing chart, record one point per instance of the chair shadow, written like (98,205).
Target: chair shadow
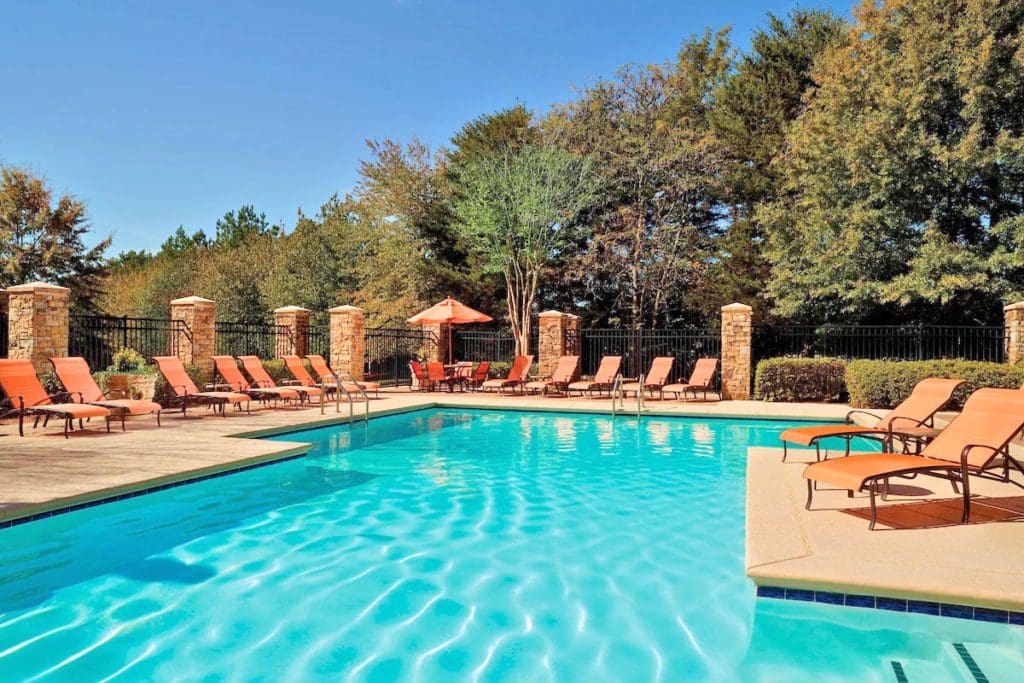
(933,514)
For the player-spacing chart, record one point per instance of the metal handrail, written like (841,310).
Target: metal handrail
(616,383)
(366,397)
(640,398)
(325,384)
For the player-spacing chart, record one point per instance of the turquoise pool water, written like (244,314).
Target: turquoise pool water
(448,545)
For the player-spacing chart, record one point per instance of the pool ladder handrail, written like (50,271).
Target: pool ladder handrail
(640,397)
(330,381)
(616,393)
(347,377)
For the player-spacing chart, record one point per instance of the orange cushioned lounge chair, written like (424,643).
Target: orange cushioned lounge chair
(560,378)
(914,418)
(254,366)
(516,376)
(603,380)
(422,382)
(323,370)
(227,368)
(28,397)
(78,382)
(700,380)
(476,378)
(186,391)
(655,379)
(976,442)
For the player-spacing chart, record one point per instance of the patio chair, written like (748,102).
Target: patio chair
(655,379)
(479,375)
(227,368)
(186,392)
(700,380)
(603,380)
(254,366)
(326,375)
(74,374)
(516,376)
(420,374)
(559,379)
(28,397)
(913,418)
(436,374)
(973,444)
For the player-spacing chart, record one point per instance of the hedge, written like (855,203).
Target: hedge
(799,379)
(883,383)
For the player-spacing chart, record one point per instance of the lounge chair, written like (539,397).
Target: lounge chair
(227,368)
(325,373)
(74,374)
(700,380)
(516,376)
(603,380)
(422,381)
(478,376)
(974,443)
(254,366)
(560,377)
(656,378)
(188,393)
(436,375)
(913,418)
(28,397)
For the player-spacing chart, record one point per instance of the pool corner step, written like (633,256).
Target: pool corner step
(917,671)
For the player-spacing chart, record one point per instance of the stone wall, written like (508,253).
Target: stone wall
(38,323)
(736,356)
(348,341)
(551,339)
(197,345)
(1013,317)
(296,319)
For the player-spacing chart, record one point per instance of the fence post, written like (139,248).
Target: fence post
(5,322)
(348,340)
(736,342)
(1013,322)
(551,328)
(37,323)
(296,319)
(196,345)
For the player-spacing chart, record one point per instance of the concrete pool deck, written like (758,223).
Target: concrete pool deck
(918,550)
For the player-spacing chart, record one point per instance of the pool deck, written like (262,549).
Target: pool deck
(917,551)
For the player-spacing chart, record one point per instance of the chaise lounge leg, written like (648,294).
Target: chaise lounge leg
(874,506)
(965,481)
(810,494)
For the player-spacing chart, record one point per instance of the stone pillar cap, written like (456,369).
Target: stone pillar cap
(291,309)
(550,314)
(191,300)
(346,309)
(33,286)
(737,307)
(1009,307)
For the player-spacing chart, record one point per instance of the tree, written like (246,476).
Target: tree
(516,209)
(40,240)
(236,229)
(648,233)
(903,179)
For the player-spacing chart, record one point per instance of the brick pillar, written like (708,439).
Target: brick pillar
(196,345)
(296,319)
(736,333)
(437,350)
(348,340)
(1013,321)
(37,326)
(551,341)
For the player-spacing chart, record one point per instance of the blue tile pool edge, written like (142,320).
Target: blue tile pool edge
(909,606)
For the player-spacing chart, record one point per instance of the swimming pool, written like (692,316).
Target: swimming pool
(449,545)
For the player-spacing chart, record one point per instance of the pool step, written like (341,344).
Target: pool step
(966,661)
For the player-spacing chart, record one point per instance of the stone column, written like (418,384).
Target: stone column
(37,326)
(551,341)
(196,344)
(348,341)
(296,319)
(736,334)
(1013,321)
(437,350)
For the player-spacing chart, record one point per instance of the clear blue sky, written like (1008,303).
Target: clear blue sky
(174,113)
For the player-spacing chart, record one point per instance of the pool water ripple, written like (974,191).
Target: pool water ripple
(437,546)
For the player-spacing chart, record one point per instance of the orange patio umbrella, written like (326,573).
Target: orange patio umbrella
(449,312)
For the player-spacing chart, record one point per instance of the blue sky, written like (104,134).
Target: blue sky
(174,113)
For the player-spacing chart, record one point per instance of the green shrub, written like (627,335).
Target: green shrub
(883,384)
(128,361)
(799,379)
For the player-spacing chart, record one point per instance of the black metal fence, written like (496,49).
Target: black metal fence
(252,339)
(639,347)
(3,334)
(318,340)
(889,342)
(98,337)
(481,345)
(389,350)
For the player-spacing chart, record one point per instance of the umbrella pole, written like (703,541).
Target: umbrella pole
(450,329)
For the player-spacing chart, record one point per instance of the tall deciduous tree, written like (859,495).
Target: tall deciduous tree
(516,208)
(42,240)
